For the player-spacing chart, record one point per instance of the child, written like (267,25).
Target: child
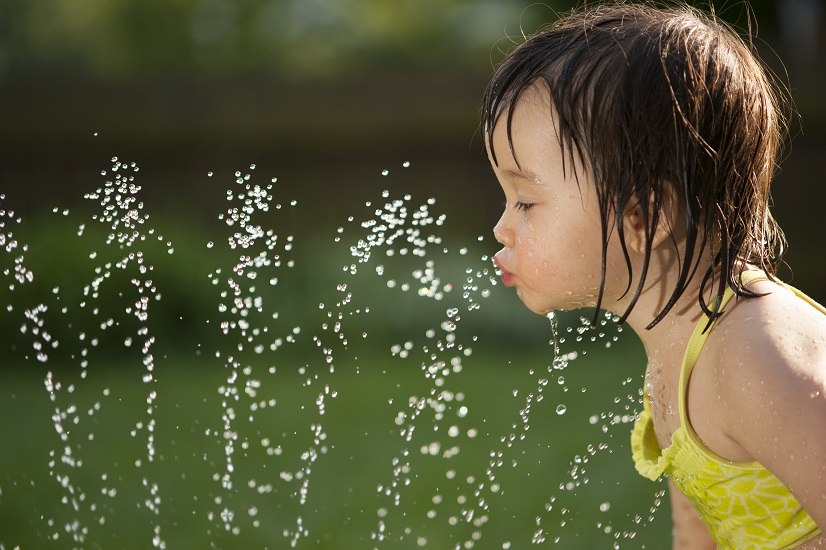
(635,146)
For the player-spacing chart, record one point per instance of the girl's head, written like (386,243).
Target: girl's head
(664,112)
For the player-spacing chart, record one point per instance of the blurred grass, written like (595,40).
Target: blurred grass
(341,510)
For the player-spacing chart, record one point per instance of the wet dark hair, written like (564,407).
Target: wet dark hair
(656,102)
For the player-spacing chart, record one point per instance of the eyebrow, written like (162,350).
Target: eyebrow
(525,175)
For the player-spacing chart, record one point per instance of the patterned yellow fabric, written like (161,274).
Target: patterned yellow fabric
(745,506)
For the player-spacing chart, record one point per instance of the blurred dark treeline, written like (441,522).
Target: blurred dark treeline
(323,94)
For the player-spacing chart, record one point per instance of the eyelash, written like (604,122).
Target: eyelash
(523,206)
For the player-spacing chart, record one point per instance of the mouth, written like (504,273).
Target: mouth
(507,277)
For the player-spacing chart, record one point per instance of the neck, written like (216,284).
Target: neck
(669,337)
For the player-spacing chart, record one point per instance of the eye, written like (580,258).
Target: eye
(523,206)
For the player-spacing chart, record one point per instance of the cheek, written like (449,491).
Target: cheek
(575,257)
(529,242)
(548,240)
(540,255)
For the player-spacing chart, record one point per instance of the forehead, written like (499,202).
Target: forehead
(524,128)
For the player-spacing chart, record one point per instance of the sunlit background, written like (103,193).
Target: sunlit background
(338,100)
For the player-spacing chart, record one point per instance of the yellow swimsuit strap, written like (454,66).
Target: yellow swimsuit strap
(697,341)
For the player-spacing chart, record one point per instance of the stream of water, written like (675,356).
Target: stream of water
(284,359)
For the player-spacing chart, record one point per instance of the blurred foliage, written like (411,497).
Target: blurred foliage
(187,86)
(116,39)
(125,38)
(67,251)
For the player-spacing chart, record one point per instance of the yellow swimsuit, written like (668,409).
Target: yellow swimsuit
(744,505)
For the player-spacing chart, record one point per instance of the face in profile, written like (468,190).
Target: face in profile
(550,227)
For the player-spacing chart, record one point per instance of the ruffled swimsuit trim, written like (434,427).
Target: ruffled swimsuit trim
(744,505)
(651,461)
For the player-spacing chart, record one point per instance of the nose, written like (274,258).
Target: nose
(501,232)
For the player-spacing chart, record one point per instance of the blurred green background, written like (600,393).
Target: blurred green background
(323,95)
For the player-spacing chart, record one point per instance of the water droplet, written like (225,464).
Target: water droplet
(560,409)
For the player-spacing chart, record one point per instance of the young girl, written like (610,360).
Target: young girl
(635,147)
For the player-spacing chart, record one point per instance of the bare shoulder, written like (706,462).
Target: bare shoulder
(770,365)
(767,359)
(776,337)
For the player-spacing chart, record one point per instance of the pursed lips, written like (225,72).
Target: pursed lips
(507,276)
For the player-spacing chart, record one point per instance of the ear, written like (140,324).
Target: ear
(635,223)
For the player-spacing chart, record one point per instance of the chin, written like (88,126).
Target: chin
(538,308)
(544,307)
